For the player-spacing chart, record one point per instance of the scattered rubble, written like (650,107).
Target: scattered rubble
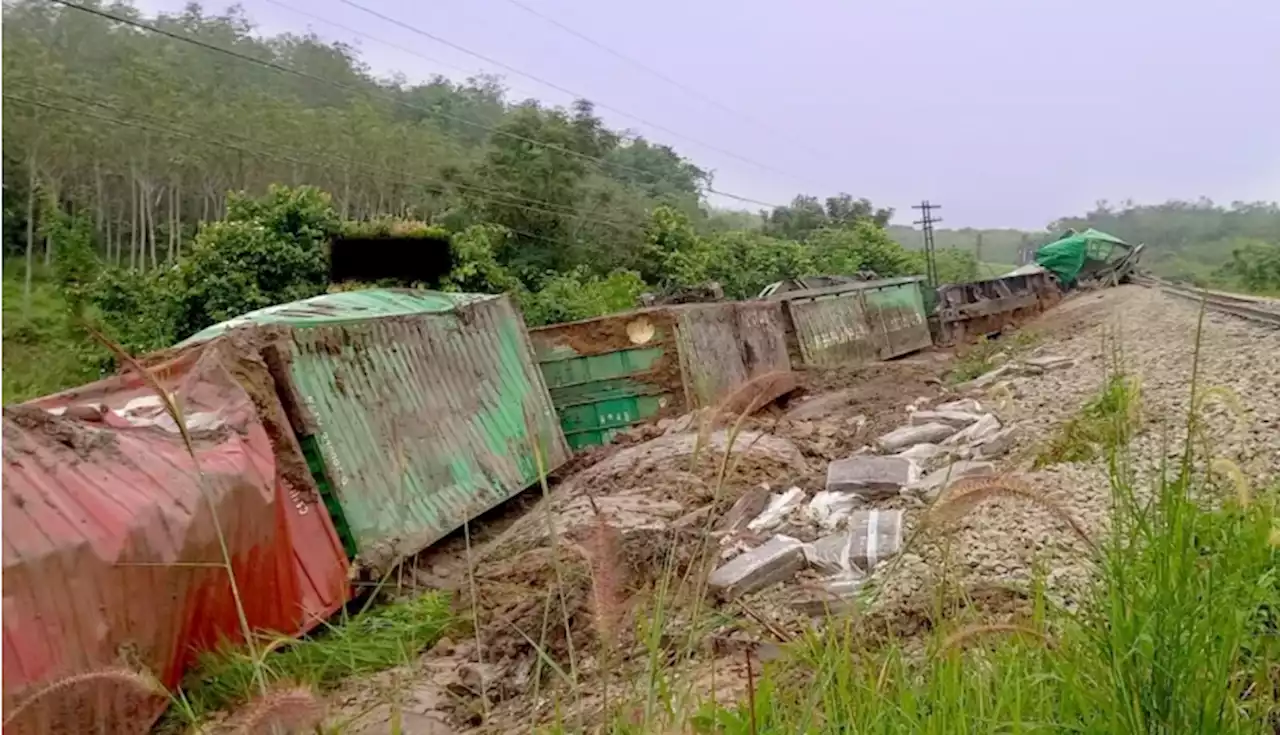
(764,566)
(870,476)
(871,536)
(985,428)
(927,456)
(779,507)
(954,419)
(986,379)
(908,436)
(829,509)
(999,443)
(932,484)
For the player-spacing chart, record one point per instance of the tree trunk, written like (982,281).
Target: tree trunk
(31,228)
(136,216)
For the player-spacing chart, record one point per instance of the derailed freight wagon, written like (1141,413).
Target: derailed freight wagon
(854,322)
(112,554)
(968,310)
(613,372)
(417,410)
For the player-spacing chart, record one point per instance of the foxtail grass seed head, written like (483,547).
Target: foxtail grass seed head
(290,710)
(1224,467)
(122,684)
(603,549)
(967,495)
(962,637)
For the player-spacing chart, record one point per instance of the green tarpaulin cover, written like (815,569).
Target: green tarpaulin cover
(1067,256)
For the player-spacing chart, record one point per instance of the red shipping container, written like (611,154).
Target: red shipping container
(110,552)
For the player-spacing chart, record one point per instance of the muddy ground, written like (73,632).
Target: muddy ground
(649,508)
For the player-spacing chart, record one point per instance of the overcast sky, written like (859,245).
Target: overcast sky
(1008,112)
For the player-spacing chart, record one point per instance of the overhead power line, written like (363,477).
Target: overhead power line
(169,130)
(651,70)
(565,90)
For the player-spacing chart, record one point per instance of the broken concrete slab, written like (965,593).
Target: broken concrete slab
(925,455)
(999,443)
(822,406)
(908,436)
(779,507)
(838,594)
(967,405)
(872,536)
(764,566)
(955,419)
(744,510)
(829,509)
(986,426)
(1050,362)
(938,480)
(871,476)
(982,381)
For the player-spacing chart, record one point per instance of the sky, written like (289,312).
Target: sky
(1009,113)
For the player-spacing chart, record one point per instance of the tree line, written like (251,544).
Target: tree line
(167,184)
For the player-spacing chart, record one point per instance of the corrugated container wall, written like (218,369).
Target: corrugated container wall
(613,372)
(111,553)
(855,323)
(418,410)
(966,310)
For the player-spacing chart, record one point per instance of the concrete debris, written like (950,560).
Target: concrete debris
(870,476)
(764,566)
(999,358)
(872,536)
(967,405)
(744,510)
(999,443)
(925,455)
(955,419)
(779,507)
(822,406)
(829,509)
(985,428)
(838,595)
(938,480)
(1050,362)
(909,436)
(982,381)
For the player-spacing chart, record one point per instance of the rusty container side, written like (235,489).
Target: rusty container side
(967,310)
(110,544)
(711,355)
(762,330)
(608,374)
(423,413)
(855,322)
(895,311)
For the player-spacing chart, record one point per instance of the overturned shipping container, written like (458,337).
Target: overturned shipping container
(417,410)
(967,310)
(113,534)
(613,372)
(855,322)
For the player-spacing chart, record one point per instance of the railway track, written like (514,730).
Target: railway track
(1255,309)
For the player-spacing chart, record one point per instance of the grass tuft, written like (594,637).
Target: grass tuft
(1106,422)
(372,641)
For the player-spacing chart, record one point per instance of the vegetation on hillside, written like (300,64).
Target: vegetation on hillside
(183,186)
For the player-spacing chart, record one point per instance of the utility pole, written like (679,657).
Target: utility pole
(927,221)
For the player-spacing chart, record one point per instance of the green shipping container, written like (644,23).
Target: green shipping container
(417,410)
(613,372)
(855,322)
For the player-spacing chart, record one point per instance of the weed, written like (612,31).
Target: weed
(371,641)
(1107,421)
